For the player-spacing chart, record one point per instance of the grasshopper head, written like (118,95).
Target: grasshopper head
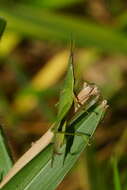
(88,91)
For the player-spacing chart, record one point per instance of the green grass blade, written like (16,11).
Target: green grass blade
(2,25)
(38,173)
(97,178)
(116,177)
(44,25)
(5,158)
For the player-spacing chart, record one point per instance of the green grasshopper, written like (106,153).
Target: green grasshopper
(65,104)
(87,97)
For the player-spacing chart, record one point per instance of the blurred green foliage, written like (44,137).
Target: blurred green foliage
(2,26)
(37,31)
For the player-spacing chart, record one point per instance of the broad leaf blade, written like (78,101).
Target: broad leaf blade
(38,174)
(2,26)
(5,158)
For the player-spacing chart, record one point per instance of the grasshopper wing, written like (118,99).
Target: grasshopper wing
(67,94)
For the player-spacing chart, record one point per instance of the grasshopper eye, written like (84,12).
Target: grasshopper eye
(104,104)
(85,84)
